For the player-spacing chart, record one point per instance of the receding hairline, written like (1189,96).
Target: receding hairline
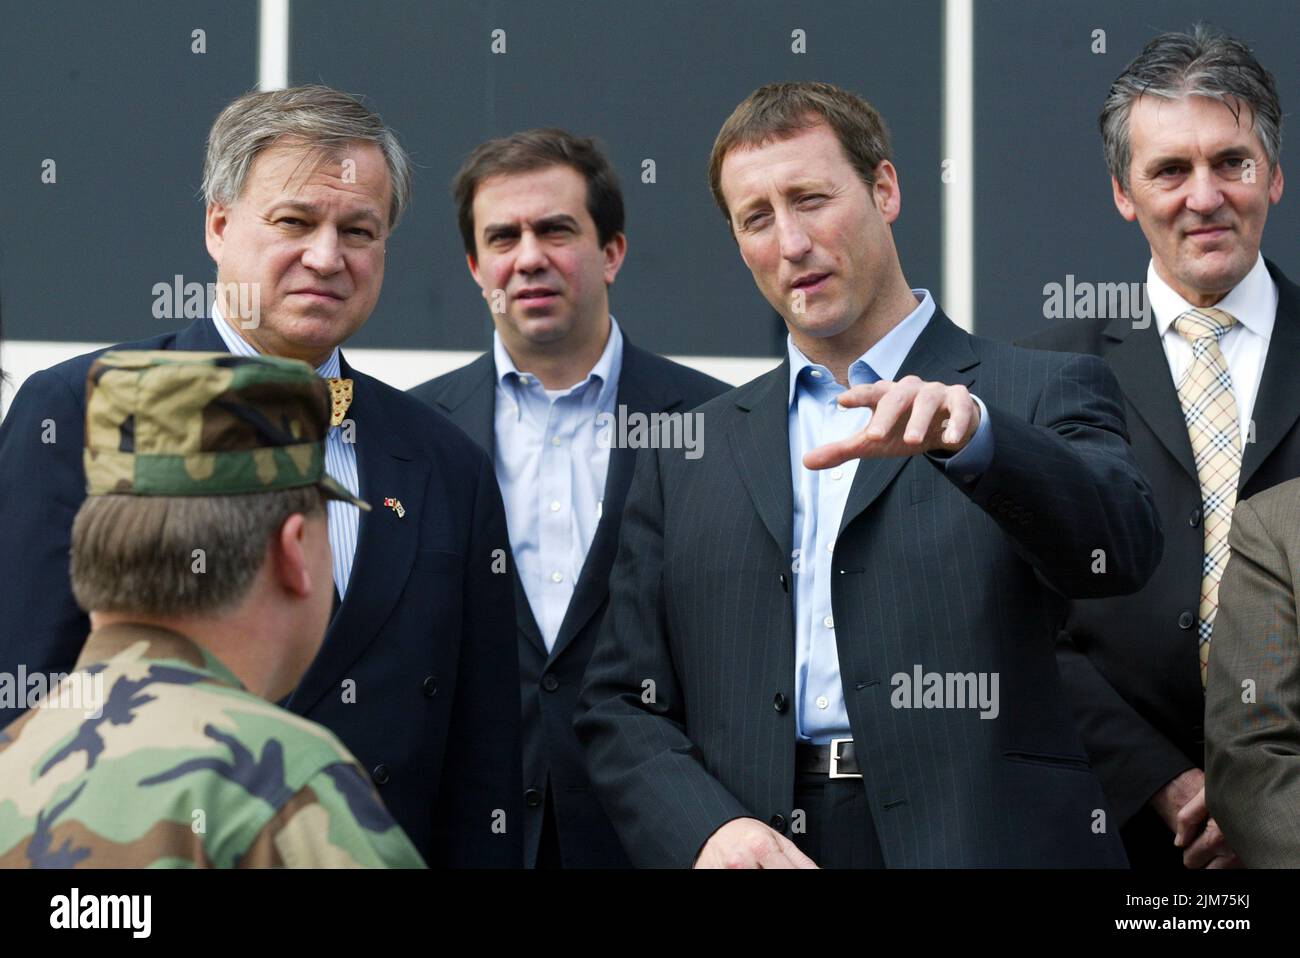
(313,156)
(809,122)
(1235,109)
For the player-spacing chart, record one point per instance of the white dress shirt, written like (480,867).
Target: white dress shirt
(1253,302)
(344,519)
(551,466)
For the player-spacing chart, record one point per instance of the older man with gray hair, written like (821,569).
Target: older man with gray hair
(1192,133)
(417,674)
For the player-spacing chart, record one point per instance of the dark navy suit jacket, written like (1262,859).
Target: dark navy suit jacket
(426,631)
(930,570)
(550,681)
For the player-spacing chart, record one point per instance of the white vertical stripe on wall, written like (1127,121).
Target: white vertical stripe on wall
(959,151)
(273,45)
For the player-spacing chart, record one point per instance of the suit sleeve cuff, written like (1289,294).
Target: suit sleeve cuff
(973,460)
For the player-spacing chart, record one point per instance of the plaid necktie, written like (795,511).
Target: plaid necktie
(340,399)
(1211,413)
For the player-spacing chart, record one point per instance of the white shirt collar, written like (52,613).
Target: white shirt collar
(885,357)
(506,369)
(1253,301)
(329,369)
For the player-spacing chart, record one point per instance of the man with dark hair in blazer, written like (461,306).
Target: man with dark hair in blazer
(1192,134)
(541,217)
(829,639)
(416,674)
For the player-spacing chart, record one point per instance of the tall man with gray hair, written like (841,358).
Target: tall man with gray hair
(418,668)
(1192,136)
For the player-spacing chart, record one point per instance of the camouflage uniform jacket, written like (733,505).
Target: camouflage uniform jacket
(175,764)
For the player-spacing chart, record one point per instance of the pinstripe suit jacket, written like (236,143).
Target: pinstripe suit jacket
(687,712)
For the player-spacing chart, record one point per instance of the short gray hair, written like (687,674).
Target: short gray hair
(136,554)
(1207,63)
(324,118)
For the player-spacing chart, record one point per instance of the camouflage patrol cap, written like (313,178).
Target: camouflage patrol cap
(170,423)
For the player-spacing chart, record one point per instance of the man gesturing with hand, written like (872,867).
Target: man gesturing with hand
(910,416)
(829,638)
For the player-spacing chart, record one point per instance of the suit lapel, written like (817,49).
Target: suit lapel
(1277,403)
(1142,368)
(639,393)
(387,466)
(942,353)
(760,442)
(470,401)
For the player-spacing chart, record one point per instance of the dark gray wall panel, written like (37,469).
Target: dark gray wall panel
(650,80)
(112,93)
(1043,206)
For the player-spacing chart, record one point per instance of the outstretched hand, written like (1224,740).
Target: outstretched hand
(909,416)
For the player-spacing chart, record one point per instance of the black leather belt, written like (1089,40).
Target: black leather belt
(836,760)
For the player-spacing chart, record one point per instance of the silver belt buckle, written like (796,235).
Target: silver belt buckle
(835,760)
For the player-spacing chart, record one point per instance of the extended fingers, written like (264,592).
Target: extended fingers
(892,405)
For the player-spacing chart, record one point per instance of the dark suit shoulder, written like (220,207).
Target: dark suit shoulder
(1070,336)
(1278,507)
(1045,358)
(431,390)
(696,387)
(745,396)
(72,372)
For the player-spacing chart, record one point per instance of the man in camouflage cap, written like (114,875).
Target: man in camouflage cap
(202,556)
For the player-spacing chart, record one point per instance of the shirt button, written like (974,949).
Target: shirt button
(525,379)
(555,440)
(830,547)
(837,474)
(822,702)
(557,576)
(555,505)
(829,622)
(815,373)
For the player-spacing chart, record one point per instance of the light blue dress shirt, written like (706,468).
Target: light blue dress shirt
(551,467)
(819,498)
(344,519)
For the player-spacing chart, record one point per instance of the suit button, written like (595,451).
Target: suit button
(1185,619)
(532,798)
(380,774)
(550,682)
(430,686)
(778,823)
(1194,519)
(779,703)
